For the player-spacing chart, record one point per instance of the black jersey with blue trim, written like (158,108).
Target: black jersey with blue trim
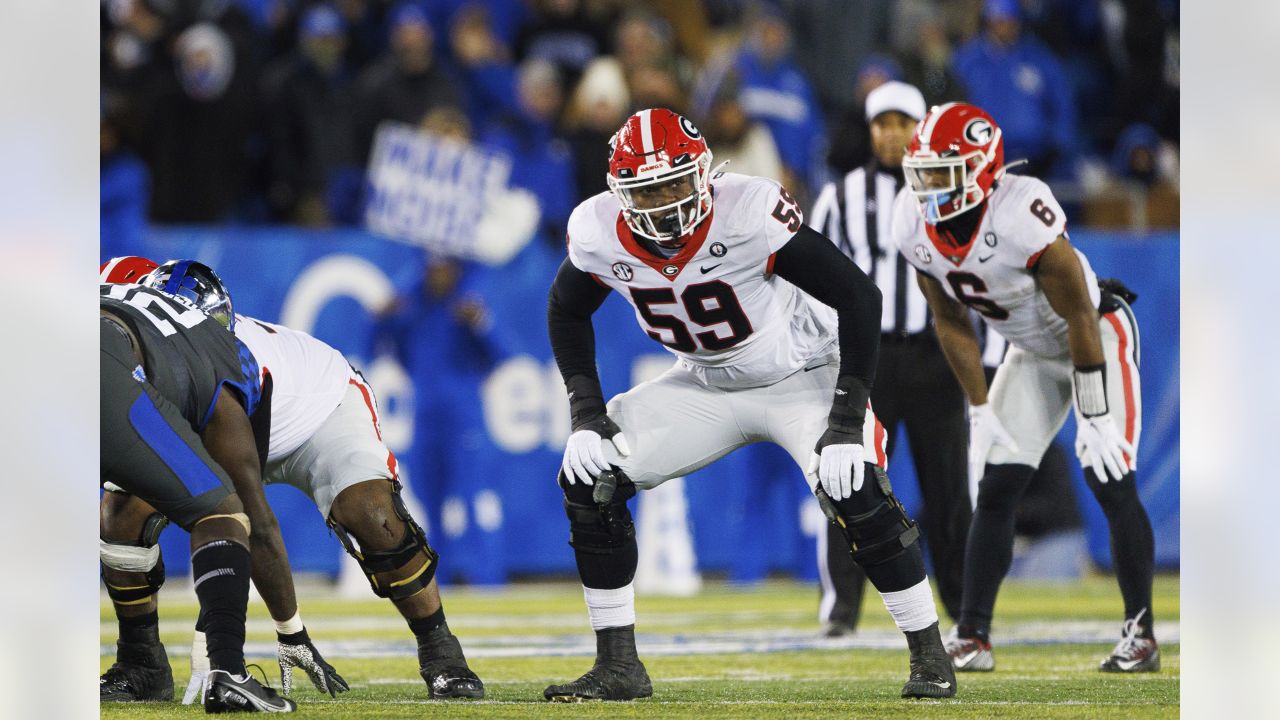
(187,355)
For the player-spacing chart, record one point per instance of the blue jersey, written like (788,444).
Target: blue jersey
(187,356)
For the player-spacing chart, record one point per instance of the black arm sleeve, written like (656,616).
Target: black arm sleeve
(574,298)
(812,263)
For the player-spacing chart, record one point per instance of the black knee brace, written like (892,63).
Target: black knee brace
(599,520)
(397,560)
(873,521)
(122,557)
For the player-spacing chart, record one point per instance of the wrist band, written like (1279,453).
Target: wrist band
(290,626)
(1091,390)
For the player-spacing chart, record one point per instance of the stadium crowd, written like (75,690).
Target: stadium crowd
(264,111)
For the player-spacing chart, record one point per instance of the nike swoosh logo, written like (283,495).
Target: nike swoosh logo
(943,685)
(984,259)
(706,270)
(815,367)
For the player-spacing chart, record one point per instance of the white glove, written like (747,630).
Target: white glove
(838,464)
(584,453)
(1102,446)
(199,670)
(985,432)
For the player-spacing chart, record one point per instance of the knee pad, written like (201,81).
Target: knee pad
(141,556)
(874,522)
(402,571)
(599,528)
(1002,487)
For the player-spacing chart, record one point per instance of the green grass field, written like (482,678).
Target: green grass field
(729,652)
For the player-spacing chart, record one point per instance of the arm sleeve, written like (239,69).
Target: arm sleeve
(574,298)
(812,263)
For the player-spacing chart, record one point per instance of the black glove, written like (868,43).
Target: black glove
(297,650)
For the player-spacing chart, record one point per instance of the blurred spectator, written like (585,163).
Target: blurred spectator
(406,81)
(777,93)
(441,332)
(599,106)
(926,53)
(1016,79)
(833,38)
(746,145)
(484,63)
(309,109)
(656,86)
(563,33)
(191,76)
(541,158)
(1142,156)
(643,39)
(1143,40)
(125,183)
(851,137)
(1141,189)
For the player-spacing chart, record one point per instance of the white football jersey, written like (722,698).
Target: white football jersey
(308,380)
(992,274)
(716,304)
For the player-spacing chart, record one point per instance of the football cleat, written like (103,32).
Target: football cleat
(605,681)
(970,654)
(932,674)
(617,674)
(141,673)
(444,668)
(1133,654)
(135,683)
(224,692)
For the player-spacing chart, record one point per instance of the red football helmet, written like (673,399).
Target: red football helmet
(660,170)
(125,269)
(954,160)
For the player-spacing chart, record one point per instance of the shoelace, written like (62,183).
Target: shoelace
(1128,646)
(262,672)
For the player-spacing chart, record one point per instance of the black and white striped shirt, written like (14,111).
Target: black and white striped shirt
(848,212)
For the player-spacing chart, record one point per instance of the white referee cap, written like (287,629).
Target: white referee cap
(896,96)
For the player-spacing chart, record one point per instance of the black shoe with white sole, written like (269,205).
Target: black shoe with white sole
(224,692)
(141,673)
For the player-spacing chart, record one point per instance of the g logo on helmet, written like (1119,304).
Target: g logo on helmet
(689,128)
(978,131)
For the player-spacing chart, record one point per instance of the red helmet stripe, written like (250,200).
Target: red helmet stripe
(646,131)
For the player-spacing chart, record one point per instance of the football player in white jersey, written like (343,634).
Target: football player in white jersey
(998,244)
(324,439)
(776,335)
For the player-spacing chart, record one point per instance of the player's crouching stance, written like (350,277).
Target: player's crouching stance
(758,360)
(174,436)
(998,243)
(324,438)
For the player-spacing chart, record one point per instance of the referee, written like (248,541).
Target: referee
(914,385)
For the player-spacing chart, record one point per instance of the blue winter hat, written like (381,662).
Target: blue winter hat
(408,13)
(881,63)
(321,21)
(1001,9)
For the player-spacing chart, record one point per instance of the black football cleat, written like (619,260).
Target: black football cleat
(452,682)
(604,682)
(224,692)
(932,673)
(617,675)
(141,673)
(444,668)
